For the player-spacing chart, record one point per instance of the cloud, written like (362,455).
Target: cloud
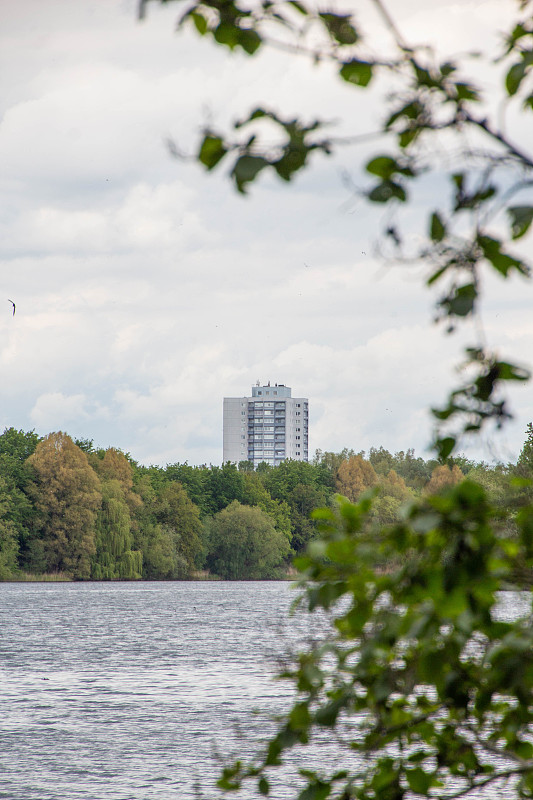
(54,410)
(147,290)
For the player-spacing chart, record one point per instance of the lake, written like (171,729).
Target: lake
(119,691)
(125,691)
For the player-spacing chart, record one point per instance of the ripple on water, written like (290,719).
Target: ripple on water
(128,691)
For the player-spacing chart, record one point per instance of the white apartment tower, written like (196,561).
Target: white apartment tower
(269,426)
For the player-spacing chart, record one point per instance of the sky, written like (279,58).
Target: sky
(146,290)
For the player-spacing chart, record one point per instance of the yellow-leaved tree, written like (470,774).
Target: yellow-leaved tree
(355,476)
(66,492)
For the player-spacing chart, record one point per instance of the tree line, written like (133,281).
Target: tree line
(76,511)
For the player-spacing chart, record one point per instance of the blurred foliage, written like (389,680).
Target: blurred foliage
(424,690)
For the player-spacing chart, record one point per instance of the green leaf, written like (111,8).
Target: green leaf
(408,135)
(293,159)
(227,33)
(298,6)
(340,27)
(445,447)
(465,91)
(511,372)
(212,150)
(327,715)
(521,218)
(357,72)
(250,41)
(438,273)
(316,791)
(419,781)
(263,786)
(383,166)
(388,190)
(502,262)
(200,22)
(411,111)
(299,716)
(437,228)
(460,301)
(246,169)
(447,68)
(518,72)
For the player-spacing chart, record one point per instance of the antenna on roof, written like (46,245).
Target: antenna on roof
(257,383)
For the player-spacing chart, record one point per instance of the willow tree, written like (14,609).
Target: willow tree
(66,493)
(115,557)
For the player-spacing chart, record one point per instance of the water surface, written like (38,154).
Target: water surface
(124,691)
(120,691)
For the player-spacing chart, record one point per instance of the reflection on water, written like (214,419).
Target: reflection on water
(123,691)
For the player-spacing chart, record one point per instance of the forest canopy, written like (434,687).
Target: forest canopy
(79,512)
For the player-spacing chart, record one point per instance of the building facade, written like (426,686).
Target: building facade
(269,426)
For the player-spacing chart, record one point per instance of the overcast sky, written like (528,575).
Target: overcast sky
(146,290)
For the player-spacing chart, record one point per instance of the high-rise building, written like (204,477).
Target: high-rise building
(269,426)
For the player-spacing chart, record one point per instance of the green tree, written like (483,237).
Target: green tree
(15,448)
(224,485)
(243,544)
(114,557)
(173,509)
(382,461)
(525,459)
(415,471)
(255,494)
(66,493)
(303,487)
(392,497)
(193,479)
(169,530)
(161,561)
(9,546)
(303,499)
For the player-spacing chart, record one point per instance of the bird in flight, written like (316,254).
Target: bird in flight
(13,304)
